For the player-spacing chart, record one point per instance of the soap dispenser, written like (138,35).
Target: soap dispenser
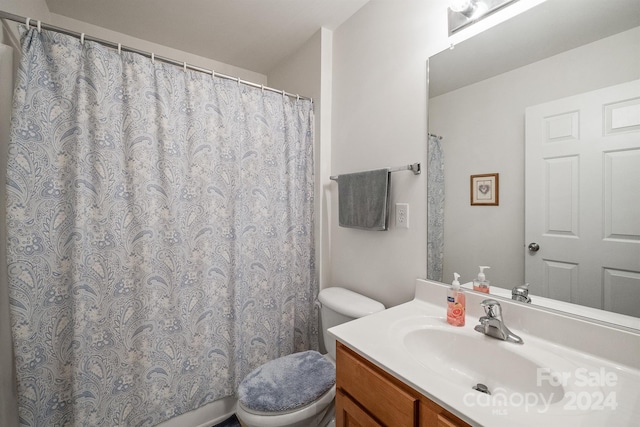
(481,284)
(455,303)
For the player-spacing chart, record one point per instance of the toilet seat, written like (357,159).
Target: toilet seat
(270,419)
(266,411)
(287,383)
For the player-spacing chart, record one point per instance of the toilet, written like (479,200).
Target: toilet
(298,390)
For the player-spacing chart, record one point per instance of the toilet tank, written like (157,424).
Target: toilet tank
(340,305)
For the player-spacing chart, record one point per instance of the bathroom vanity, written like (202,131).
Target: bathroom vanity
(365,394)
(406,366)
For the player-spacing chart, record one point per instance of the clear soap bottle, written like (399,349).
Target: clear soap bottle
(481,284)
(456,303)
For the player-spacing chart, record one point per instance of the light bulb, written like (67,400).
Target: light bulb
(461,5)
(480,8)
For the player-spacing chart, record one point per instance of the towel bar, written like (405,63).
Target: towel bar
(415,168)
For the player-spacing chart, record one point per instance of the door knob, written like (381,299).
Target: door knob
(534,247)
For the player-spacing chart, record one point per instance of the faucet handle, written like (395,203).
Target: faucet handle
(492,308)
(521,293)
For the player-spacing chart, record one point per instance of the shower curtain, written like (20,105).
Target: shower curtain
(435,211)
(160,239)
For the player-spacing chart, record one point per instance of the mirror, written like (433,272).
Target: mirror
(478,93)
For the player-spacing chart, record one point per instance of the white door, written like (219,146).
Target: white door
(583,199)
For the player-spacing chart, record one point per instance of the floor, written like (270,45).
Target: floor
(229,422)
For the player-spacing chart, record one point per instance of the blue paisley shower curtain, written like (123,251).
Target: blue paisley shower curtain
(160,234)
(435,209)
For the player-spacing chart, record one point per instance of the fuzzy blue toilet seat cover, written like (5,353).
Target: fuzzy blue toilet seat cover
(287,383)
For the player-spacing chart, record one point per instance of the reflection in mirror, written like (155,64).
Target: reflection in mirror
(462,13)
(481,94)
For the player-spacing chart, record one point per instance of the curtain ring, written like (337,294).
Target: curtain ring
(284,94)
(39,27)
(184,67)
(297,97)
(153,58)
(262,88)
(27,22)
(82,38)
(213,73)
(119,48)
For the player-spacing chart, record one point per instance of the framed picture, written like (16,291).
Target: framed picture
(485,190)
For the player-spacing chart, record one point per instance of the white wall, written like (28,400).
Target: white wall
(379,120)
(483,129)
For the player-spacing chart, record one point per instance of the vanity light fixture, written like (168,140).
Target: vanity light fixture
(462,13)
(469,8)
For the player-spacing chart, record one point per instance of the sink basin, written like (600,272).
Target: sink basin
(468,358)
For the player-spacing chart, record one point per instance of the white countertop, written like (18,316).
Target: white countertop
(598,391)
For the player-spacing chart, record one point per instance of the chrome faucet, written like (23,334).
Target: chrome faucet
(493,325)
(521,293)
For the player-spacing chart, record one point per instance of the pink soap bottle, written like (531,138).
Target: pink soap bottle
(455,303)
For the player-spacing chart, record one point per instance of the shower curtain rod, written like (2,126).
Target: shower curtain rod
(82,36)
(435,136)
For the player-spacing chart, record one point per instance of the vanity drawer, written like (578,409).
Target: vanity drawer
(388,400)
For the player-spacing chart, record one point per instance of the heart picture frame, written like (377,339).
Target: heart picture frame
(485,190)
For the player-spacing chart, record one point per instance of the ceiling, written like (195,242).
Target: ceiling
(252,34)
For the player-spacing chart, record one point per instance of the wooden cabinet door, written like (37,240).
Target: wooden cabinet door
(386,398)
(349,414)
(367,396)
(433,415)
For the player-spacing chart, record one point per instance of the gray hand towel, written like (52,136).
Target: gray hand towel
(363,199)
